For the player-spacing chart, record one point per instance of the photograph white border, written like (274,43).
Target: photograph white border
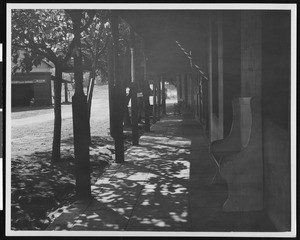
(1,158)
(291,7)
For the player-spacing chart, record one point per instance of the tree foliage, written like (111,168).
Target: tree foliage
(42,33)
(94,41)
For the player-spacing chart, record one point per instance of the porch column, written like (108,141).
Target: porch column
(179,90)
(146,94)
(183,87)
(163,94)
(220,76)
(250,53)
(158,99)
(251,198)
(188,91)
(210,78)
(134,103)
(154,102)
(190,76)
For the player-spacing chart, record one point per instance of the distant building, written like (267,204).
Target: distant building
(33,88)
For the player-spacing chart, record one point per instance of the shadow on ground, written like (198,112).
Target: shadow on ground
(148,192)
(39,186)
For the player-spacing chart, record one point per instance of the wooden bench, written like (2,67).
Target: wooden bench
(239,157)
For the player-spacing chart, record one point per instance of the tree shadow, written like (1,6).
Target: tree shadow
(147,192)
(39,186)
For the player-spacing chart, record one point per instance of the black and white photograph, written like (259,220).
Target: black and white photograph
(150,120)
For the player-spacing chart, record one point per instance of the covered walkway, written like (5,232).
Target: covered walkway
(164,185)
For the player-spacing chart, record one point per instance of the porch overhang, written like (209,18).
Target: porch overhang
(160,30)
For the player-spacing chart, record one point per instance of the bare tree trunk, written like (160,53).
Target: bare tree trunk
(57,114)
(118,93)
(80,119)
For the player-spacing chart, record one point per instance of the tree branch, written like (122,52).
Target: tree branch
(88,45)
(70,51)
(88,23)
(35,49)
(103,48)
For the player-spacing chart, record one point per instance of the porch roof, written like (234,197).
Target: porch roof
(161,29)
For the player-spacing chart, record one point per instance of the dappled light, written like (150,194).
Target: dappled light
(147,192)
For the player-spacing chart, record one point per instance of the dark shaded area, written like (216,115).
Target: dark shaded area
(276,66)
(161,28)
(276,88)
(22,94)
(29,108)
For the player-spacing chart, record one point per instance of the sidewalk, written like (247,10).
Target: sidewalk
(164,185)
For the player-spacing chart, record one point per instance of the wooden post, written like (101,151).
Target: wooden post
(163,94)
(146,93)
(190,80)
(158,100)
(134,103)
(117,94)
(210,79)
(154,102)
(183,85)
(251,54)
(80,118)
(179,90)
(220,76)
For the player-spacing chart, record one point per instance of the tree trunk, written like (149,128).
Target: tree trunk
(118,94)
(80,120)
(57,114)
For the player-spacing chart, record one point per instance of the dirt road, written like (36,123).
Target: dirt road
(33,130)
